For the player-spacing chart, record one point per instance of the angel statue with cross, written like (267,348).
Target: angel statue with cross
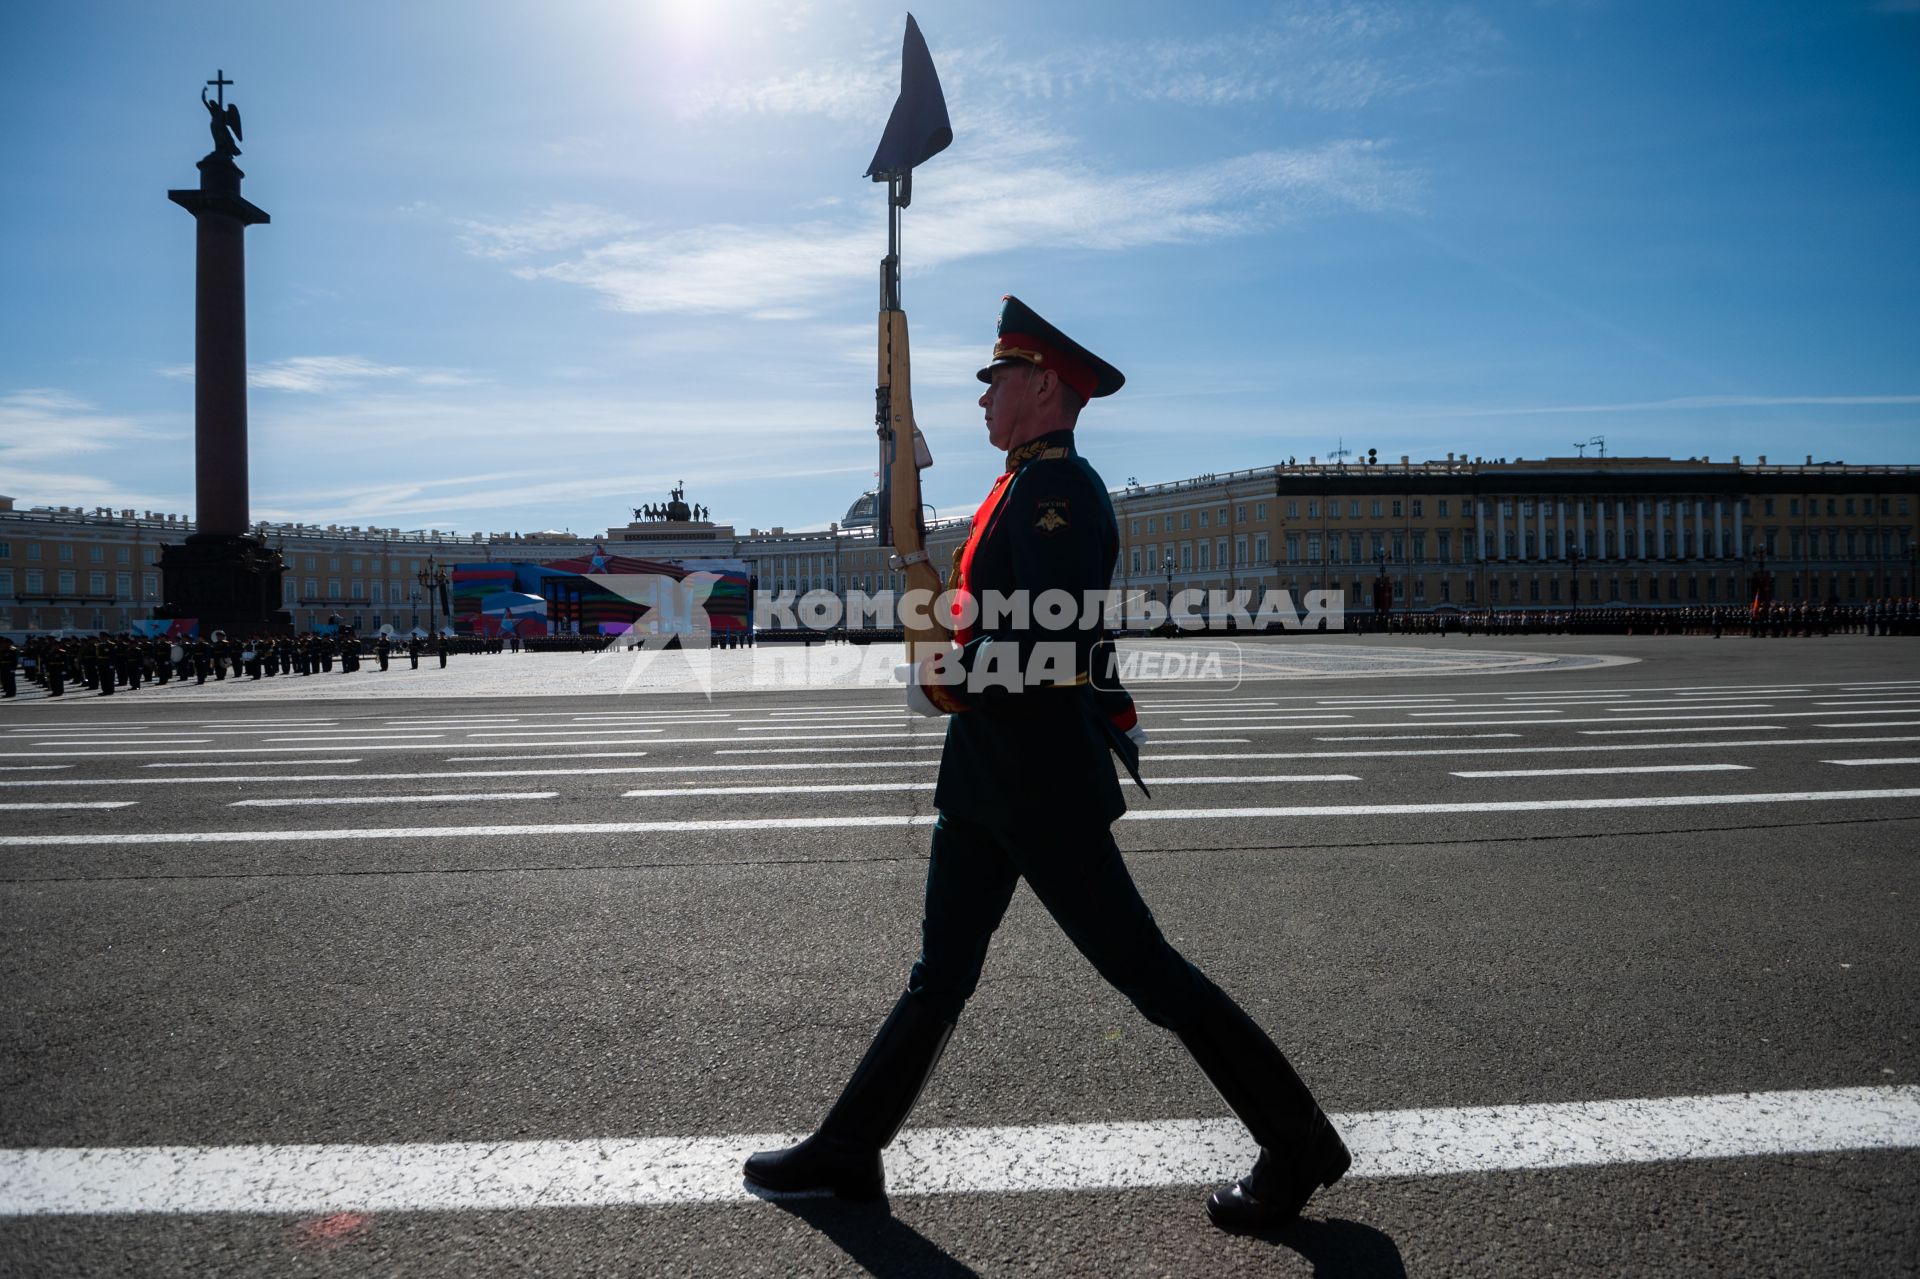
(225,121)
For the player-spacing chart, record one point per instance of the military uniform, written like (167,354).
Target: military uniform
(1027,790)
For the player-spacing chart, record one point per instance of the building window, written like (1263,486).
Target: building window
(1203,545)
(98,554)
(1136,561)
(1793,506)
(1186,556)
(1446,545)
(6,550)
(1293,509)
(65,554)
(1240,514)
(1260,548)
(1150,526)
(36,582)
(333,588)
(1333,510)
(96,583)
(1203,519)
(333,564)
(33,549)
(123,587)
(1419,545)
(1240,551)
(1186,520)
(1417,506)
(1443,515)
(1293,548)
(123,555)
(1396,508)
(1373,507)
(357,589)
(6,581)
(1133,528)
(1313,548)
(1260,509)
(66,581)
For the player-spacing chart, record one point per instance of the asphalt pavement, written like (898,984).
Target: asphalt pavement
(1601,948)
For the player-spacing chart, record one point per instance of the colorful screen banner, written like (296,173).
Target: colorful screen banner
(601,594)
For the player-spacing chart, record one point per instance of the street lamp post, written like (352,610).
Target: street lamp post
(433,579)
(1169,568)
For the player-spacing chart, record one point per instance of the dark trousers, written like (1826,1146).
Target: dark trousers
(1084,885)
(6,682)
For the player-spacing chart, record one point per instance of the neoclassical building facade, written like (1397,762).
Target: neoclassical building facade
(1459,532)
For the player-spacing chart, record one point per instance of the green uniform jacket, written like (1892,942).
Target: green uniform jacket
(1030,757)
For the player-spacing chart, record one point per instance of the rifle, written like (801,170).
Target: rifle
(917,130)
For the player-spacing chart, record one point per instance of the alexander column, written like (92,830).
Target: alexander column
(223,575)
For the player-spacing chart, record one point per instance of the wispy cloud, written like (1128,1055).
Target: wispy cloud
(1683,403)
(557,227)
(321,374)
(972,210)
(45,432)
(1331,56)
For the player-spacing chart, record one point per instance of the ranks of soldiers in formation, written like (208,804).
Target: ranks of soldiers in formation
(106,663)
(1778,618)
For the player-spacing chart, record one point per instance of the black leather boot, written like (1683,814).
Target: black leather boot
(843,1156)
(1280,1183)
(1299,1149)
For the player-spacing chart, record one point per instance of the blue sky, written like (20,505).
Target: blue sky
(530,264)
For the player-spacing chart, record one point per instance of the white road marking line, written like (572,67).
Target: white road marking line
(1757,692)
(247,763)
(826,750)
(1542,750)
(608,1172)
(171,723)
(1910,759)
(844,731)
(877,787)
(1270,717)
(1878,723)
(241,750)
(357,736)
(1706,706)
(1504,710)
(1712,728)
(1413,737)
(846,820)
(338,777)
(31,768)
(25,808)
(1600,772)
(393,799)
(121,741)
(1868,701)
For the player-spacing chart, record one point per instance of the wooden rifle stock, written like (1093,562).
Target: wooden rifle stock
(904,452)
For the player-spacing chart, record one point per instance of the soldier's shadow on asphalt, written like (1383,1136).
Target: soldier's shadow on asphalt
(1339,1249)
(883,1245)
(874,1239)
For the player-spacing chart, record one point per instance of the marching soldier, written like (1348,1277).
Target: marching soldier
(1027,791)
(381,648)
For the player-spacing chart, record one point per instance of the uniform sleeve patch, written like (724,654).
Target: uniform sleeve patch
(1053,515)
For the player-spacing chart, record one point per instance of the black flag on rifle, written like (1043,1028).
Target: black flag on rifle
(918,129)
